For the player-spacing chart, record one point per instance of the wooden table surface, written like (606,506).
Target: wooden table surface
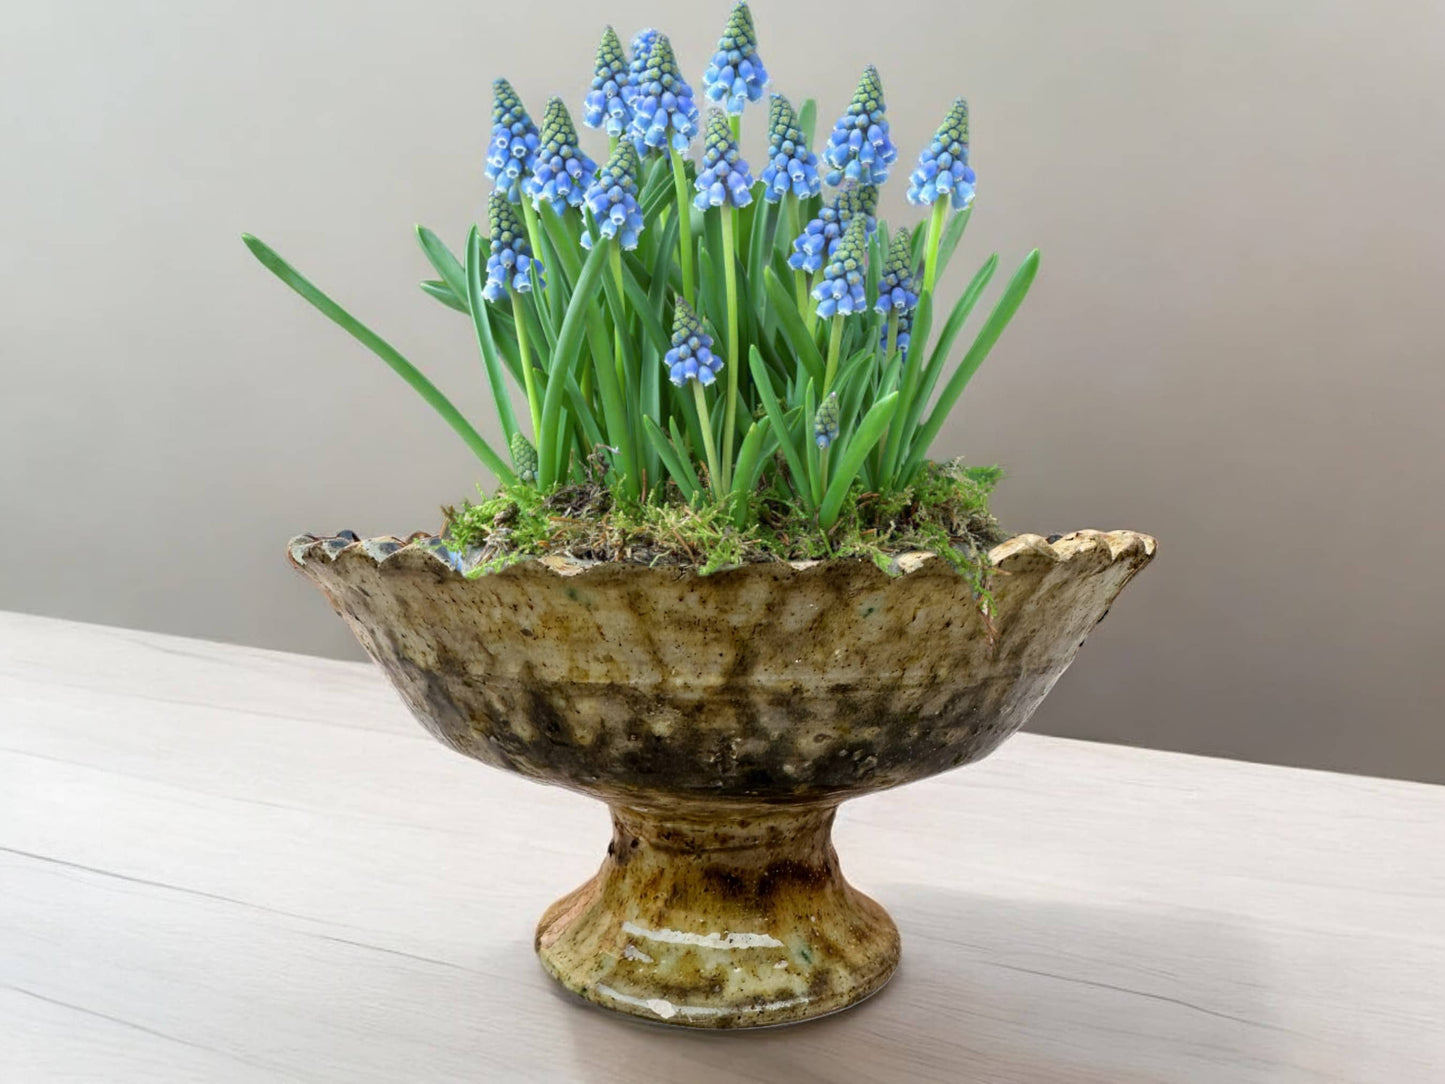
(221,863)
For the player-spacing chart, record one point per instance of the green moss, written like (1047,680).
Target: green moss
(945,512)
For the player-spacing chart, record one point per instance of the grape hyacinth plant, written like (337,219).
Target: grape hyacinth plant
(561,172)
(860,148)
(514,141)
(792,168)
(724,179)
(747,360)
(606,104)
(612,199)
(736,75)
(896,296)
(943,178)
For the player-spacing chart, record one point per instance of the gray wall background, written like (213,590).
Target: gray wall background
(1234,342)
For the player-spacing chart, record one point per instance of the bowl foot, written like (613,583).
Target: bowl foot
(720,915)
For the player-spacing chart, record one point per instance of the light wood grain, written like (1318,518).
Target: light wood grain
(221,863)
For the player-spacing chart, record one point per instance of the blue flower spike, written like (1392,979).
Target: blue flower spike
(825,421)
(862,200)
(606,105)
(840,290)
(641,46)
(691,356)
(724,179)
(736,75)
(510,258)
(860,148)
(897,291)
(515,140)
(664,112)
(895,284)
(943,168)
(561,172)
(612,199)
(791,167)
(820,237)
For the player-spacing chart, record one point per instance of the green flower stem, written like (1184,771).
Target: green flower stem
(935,238)
(891,437)
(735,122)
(730,278)
(534,233)
(705,423)
(835,347)
(534,400)
(615,257)
(800,280)
(684,224)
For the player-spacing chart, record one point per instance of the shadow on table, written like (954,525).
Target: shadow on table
(992,989)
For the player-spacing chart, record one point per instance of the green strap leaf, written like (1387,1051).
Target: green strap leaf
(680,446)
(808,120)
(774,411)
(962,309)
(785,307)
(745,476)
(951,237)
(685,479)
(566,356)
(988,335)
(385,351)
(443,293)
(481,324)
(440,257)
(869,432)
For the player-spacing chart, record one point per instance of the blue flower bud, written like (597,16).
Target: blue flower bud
(513,149)
(943,168)
(510,258)
(691,356)
(860,148)
(736,75)
(524,458)
(612,199)
(561,172)
(840,290)
(606,105)
(663,111)
(791,167)
(825,421)
(724,179)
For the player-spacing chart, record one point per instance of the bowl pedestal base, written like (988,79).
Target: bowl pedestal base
(720,914)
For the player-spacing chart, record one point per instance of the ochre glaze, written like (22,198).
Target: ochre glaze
(723,718)
(720,915)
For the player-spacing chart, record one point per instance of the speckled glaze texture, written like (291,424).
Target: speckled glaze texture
(723,718)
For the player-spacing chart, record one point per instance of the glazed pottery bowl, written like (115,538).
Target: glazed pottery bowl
(723,718)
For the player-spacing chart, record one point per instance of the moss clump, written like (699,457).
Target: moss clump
(944,512)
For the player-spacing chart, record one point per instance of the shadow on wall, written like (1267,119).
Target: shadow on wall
(1000,990)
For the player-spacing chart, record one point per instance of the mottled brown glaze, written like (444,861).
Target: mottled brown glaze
(723,718)
(720,914)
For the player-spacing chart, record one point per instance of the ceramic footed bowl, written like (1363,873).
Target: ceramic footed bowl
(723,719)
